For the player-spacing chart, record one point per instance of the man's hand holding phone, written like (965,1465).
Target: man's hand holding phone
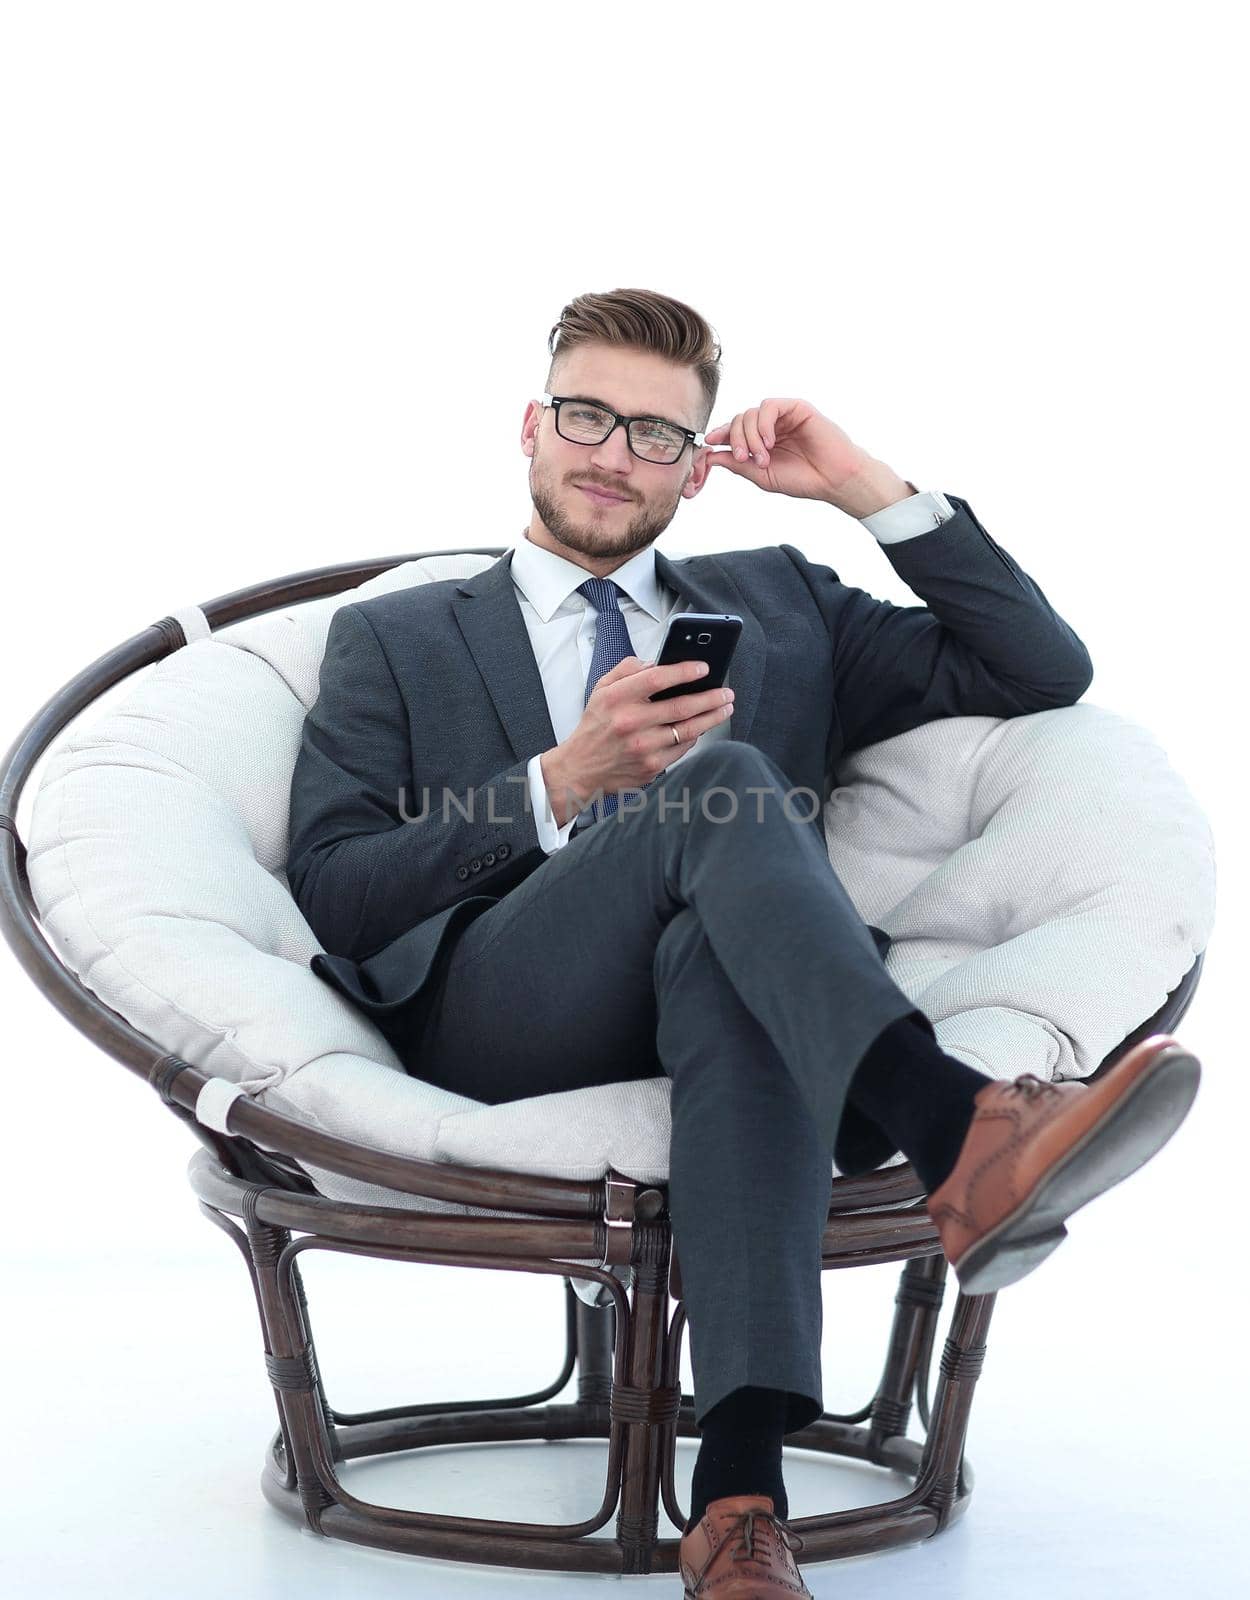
(624,739)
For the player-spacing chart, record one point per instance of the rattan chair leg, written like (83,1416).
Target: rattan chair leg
(280,1445)
(945,1482)
(644,1405)
(290,1363)
(918,1300)
(596,1333)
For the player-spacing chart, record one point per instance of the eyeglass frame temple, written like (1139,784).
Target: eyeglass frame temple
(697,439)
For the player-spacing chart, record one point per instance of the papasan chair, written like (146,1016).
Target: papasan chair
(1047,882)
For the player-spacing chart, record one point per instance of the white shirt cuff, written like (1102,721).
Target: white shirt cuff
(906,519)
(549,836)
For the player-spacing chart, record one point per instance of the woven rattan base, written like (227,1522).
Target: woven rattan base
(624,1358)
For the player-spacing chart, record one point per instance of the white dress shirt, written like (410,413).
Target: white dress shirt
(561,626)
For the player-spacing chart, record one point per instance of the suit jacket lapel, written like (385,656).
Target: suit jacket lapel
(489,614)
(489,617)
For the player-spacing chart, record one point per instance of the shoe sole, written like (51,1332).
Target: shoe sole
(799,1594)
(1130,1132)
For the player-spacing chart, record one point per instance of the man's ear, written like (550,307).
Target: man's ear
(533,410)
(699,473)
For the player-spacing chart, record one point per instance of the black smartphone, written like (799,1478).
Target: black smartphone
(709,636)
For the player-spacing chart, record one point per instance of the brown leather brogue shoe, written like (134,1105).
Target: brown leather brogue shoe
(1035,1152)
(739,1550)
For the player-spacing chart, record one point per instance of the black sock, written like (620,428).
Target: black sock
(740,1450)
(919,1095)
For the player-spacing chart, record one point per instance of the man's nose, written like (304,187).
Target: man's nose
(613,453)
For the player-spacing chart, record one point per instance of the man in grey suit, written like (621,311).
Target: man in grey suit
(534,877)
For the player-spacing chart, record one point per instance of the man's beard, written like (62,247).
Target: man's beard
(595,534)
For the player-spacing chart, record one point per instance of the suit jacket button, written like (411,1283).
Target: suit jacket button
(462,873)
(475,865)
(502,853)
(489,858)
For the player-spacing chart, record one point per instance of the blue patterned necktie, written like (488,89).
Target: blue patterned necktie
(612,645)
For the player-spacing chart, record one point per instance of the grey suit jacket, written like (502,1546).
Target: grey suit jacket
(431,695)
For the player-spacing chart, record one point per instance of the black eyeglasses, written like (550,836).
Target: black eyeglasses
(650,438)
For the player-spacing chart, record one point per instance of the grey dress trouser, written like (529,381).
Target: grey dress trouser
(704,935)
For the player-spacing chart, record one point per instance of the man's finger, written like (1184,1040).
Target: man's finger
(751,430)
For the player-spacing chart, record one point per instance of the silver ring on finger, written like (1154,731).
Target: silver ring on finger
(676,735)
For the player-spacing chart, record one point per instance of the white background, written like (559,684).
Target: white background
(257,260)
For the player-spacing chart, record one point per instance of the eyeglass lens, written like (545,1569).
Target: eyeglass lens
(651,439)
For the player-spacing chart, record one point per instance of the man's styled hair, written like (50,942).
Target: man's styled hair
(639,319)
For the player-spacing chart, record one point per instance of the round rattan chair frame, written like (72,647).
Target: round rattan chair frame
(625,1354)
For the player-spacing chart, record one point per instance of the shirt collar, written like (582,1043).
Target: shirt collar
(547,580)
